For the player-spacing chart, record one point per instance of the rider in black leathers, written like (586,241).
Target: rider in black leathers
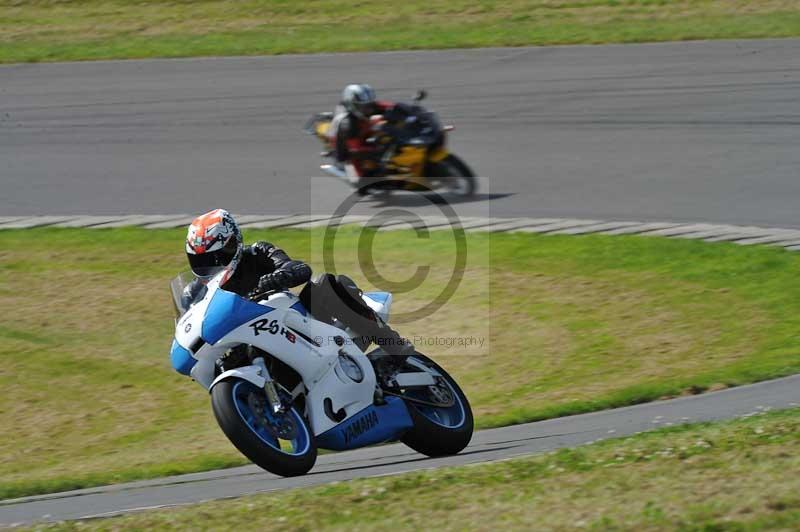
(264,267)
(213,245)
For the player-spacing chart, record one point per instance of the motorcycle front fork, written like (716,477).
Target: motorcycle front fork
(270,389)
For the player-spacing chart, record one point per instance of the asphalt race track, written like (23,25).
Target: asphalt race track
(486,445)
(698,132)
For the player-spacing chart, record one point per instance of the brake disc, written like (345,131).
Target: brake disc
(442,394)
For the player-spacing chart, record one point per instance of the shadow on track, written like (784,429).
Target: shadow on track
(409,461)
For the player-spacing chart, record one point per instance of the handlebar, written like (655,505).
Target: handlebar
(259,296)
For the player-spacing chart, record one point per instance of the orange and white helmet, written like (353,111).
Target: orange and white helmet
(214,243)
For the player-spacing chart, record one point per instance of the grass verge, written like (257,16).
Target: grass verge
(43,30)
(723,476)
(570,324)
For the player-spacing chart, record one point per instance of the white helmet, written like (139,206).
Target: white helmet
(213,243)
(359,99)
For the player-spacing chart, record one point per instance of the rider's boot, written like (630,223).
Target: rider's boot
(391,341)
(328,297)
(395,349)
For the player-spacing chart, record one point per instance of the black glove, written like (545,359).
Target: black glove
(277,280)
(291,274)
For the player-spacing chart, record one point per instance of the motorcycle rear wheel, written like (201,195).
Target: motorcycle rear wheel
(461,180)
(440,431)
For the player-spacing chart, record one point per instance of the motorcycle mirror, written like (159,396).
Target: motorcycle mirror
(421,95)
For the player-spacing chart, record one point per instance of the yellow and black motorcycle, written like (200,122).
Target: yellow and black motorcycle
(412,155)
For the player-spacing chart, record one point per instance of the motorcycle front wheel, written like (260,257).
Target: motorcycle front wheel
(280,443)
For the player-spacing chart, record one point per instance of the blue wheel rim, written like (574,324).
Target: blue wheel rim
(298,445)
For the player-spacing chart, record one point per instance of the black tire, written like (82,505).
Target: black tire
(433,439)
(250,444)
(453,166)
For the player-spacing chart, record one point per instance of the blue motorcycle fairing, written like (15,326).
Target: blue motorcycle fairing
(378,297)
(374,424)
(182,359)
(299,307)
(225,312)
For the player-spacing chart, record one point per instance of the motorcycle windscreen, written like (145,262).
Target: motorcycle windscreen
(185,289)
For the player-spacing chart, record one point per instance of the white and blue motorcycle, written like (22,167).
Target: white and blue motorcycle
(283,384)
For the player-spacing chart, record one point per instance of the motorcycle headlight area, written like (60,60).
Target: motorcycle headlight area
(349,367)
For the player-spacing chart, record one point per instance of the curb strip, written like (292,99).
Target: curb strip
(789,239)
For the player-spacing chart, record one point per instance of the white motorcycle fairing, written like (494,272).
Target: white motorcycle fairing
(253,374)
(338,394)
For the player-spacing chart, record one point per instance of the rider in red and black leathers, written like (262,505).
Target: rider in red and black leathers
(353,125)
(351,137)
